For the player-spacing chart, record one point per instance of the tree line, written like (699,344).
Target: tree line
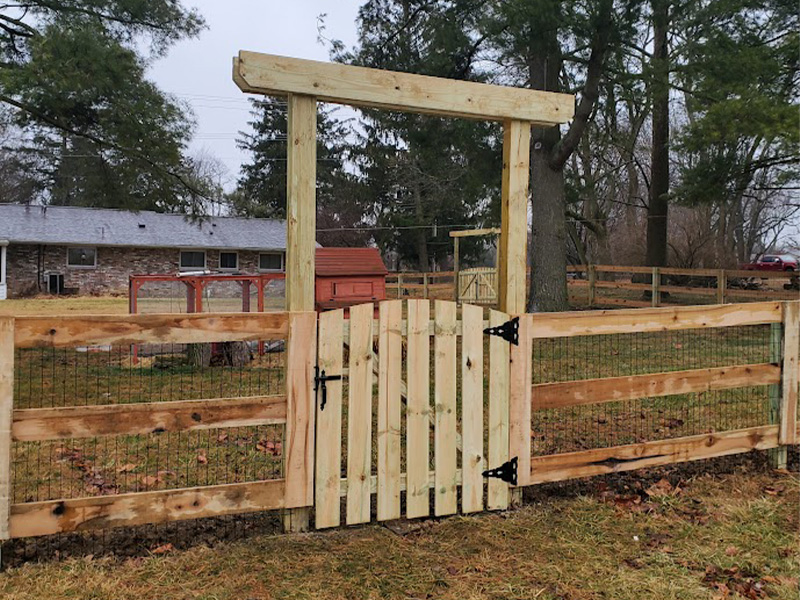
(683,149)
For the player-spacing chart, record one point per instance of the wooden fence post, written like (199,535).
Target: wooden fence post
(777,456)
(6,412)
(592,276)
(456,266)
(722,283)
(791,376)
(399,286)
(655,285)
(425,286)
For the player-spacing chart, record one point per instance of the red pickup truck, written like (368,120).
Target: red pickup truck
(772,262)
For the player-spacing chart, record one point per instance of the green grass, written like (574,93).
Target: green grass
(738,530)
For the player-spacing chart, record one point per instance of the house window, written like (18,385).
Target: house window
(228,261)
(270,261)
(193,259)
(82,258)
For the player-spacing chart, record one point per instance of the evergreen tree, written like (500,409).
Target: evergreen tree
(98,132)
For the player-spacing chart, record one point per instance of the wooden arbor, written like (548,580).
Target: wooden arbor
(305,83)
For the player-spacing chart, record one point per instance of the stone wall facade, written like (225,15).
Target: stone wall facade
(30,264)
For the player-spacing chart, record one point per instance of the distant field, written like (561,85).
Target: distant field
(90,305)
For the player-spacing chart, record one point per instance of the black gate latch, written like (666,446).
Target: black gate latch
(509,331)
(319,384)
(506,472)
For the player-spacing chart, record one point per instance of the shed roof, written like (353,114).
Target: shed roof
(333,262)
(72,225)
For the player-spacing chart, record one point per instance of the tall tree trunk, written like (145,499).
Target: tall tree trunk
(548,248)
(659,180)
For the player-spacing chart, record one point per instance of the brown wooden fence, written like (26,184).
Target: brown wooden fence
(613,285)
(416,405)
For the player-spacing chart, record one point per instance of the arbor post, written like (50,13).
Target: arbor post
(301,224)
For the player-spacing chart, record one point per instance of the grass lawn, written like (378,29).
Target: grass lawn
(726,536)
(86,305)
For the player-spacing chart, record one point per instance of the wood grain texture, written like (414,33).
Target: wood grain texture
(445,459)
(586,463)
(513,247)
(360,86)
(74,330)
(499,374)
(791,373)
(39,424)
(301,357)
(473,460)
(615,389)
(519,407)
(301,202)
(6,412)
(600,322)
(418,411)
(359,415)
(327,505)
(104,512)
(390,353)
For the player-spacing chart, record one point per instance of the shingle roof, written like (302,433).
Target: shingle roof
(332,262)
(107,227)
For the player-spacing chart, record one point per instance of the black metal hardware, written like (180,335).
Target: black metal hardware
(319,384)
(506,472)
(509,331)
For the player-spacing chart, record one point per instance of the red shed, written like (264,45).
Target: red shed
(349,276)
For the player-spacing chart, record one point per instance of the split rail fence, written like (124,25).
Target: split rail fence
(612,286)
(429,409)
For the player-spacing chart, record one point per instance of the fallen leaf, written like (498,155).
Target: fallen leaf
(201,457)
(731,551)
(149,480)
(222,437)
(127,468)
(164,549)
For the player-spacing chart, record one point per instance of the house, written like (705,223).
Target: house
(60,249)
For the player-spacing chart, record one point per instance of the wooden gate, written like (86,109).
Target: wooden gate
(477,285)
(381,431)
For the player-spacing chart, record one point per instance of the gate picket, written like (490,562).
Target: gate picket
(388,434)
(329,422)
(445,459)
(472,459)
(359,416)
(498,494)
(418,410)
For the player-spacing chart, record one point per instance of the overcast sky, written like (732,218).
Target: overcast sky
(199,71)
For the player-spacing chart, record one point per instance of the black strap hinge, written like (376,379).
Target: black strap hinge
(506,472)
(509,331)
(319,384)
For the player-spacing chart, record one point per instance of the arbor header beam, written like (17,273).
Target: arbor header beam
(360,86)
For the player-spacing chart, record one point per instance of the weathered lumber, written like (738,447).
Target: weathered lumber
(513,246)
(497,497)
(550,325)
(66,331)
(39,424)
(103,512)
(327,506)
(586,463)
(444,389)
(791,373)
(6,411)
(614,389)
(361,86)
(390,351)
(418,412)
(301,357)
